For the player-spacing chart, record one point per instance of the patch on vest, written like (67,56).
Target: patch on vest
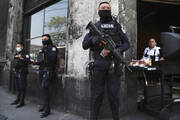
(27,56)
(88,31)
(107,26)
(53,49)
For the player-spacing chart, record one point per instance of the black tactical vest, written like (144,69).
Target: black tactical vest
(110,28)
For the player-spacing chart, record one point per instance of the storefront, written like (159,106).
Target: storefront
(154,17)
(66,21)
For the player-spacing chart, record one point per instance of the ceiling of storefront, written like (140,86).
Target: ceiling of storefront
(163,1)
(151,12)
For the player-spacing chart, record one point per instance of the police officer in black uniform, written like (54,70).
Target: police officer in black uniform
(47,59)
(106,68)
(20,66)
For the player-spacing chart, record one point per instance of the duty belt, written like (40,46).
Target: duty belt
(99,57)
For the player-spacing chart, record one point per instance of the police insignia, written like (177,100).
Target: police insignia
(107,25)
(27,56)
(53,49)
(88,31)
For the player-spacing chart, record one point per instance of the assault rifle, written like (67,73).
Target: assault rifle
(110,44)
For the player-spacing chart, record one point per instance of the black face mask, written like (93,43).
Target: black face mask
(47,42)
(105,13)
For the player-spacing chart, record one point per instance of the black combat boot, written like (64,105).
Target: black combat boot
(15,102)
(21,103)
(46,112)
(41,109)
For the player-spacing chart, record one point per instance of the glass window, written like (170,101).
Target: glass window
(51,20)
(35,47)
(55,22)
(37,24)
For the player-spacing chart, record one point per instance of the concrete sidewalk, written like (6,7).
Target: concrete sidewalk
(30,112)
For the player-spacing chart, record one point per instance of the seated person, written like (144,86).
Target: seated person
(153,52)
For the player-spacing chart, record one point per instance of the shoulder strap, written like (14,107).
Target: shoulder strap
(98,24)
(146,52)
(116,23)
(154,52)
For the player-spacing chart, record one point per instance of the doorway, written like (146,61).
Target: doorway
(154,17)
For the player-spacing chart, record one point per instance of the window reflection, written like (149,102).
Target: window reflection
(55,22)
(51,20)
(35,47)
(37,24)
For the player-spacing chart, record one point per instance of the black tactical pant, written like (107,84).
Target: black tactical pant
(21,85)
(45,81)
(100,78)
